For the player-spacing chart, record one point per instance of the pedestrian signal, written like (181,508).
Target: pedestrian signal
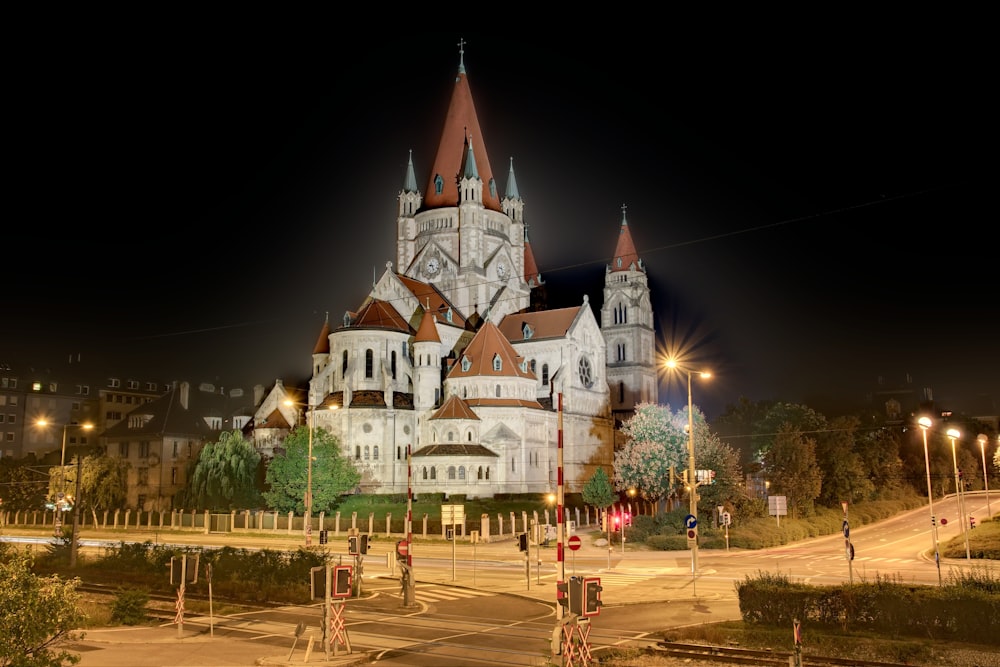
(352,544)
(522,541)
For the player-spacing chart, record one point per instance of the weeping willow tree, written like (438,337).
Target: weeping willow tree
(225,475)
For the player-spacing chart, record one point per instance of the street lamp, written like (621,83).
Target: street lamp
(61,499)
(925,423)
(309,471)
(986,477)
(952,435)
(692,479)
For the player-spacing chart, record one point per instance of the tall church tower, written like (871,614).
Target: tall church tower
(458,235)
(627,324)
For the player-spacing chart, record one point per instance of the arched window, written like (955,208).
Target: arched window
(375,453)
(438,184)
(357,452)
(498,391)
(366,452)
(621,392)
(461,473)
(425,471)
(545,374)
(451,473)
(433,472)
(487,472)
(343,366)
(479,473)
(451,436)
(392,362)
(369,364)
(469,436)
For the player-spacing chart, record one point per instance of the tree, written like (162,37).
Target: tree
(597,492)
(879,452)
(803,418)
(656,442)
(844,474)
(710,453)
(332,473)
(21,486)
(104,482)
(790,465)
(225,476)
(37,614)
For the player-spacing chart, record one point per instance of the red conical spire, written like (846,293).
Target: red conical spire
(460,123)
(625,258)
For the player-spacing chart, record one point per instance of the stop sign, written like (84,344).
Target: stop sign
(573,542)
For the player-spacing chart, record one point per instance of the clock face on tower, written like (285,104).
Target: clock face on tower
(432,266)
(502,270)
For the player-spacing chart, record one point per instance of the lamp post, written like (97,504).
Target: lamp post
(61,500)
(925,423)
(692,479)
(986,477)
(953,434)
(309,482)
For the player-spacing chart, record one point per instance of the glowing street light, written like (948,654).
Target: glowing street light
(952,434)
(61,500)
(986,477)
(692,479)
(925,423)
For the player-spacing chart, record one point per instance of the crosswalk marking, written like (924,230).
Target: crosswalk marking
(433,593)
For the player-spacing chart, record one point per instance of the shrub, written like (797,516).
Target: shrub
(129,607)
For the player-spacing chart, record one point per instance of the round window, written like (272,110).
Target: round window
(586,372)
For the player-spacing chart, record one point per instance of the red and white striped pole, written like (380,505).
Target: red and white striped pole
(559,505)
(409,507)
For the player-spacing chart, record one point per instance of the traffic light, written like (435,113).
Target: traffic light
(592,596)
(616,522)
(628,519)
(363,545)
(352,544)
(522,541)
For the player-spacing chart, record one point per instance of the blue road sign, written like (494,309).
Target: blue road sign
(847,530)
(690,521)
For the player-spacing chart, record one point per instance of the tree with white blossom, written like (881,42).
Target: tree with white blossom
(656,442)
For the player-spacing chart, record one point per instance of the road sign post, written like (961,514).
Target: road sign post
(573,544)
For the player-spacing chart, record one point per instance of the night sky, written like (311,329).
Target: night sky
(812,214)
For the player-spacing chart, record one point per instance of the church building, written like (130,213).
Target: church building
(452,375)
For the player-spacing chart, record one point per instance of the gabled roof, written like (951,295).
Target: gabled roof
(460,123)
(543,325)
(275,420)
(166,415)
(454,408)
(489,344)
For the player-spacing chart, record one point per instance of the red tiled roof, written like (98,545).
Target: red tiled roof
(544,324)
(427,333)
(323,342)
(433,301)
(625,254)
(460,123)
(454,450)
(454,408)
(378,314)
(487,344)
